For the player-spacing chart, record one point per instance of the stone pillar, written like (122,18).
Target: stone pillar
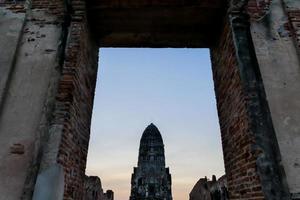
(29,73)
(276,32)
(69,131)
(250,147)
(48,74)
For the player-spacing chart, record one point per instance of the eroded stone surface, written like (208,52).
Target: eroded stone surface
(93,189)
(210,189)
(50,184)
(48,70)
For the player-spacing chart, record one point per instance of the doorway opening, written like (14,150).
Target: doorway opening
(172,88)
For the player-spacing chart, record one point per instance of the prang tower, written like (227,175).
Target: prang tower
(151,180)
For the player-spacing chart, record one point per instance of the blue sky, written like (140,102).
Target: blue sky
(173,88)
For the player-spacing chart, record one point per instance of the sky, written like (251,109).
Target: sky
(172,88)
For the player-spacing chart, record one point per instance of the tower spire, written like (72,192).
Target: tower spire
(151,179)
(151,151)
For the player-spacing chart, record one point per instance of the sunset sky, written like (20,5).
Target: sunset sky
(173,88)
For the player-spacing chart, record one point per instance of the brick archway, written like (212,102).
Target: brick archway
(59,42)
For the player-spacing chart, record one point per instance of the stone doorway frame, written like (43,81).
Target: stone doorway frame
(251,152)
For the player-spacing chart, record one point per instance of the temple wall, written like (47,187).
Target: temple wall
(48,67)
(93,189)
(10,33)
(29,68)
(47,87)
(74,106)
(237,137)
(275,32)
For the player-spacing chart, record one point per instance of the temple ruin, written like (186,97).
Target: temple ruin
(93,189)
(151,179)
(48,67)
(212,189)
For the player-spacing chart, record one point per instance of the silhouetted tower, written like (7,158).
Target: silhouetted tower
(151,180)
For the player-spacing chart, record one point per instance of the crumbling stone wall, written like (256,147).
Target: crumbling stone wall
(109,194)
(51,72)
(69,124)
(237,139)
(262,154)
(275,32)
(47,88)
(213,189)
(30,74)
(93,189)
(74,106)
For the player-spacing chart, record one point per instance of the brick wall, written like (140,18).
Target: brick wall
(275,29)
(55,7)
(237,138)
(74,98)
(259,9)
(74,106)
(15,6)
(294,25)
(94,191)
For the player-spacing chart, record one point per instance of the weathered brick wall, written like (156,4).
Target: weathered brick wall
(93,190)
(16,7)
(69,119)
(260,9)
(55,7)
(275,31)
(294,17)
(32,74)
(237,138)
(75,103)
(69,129)
(293,27)
(212,189)
(294,23)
